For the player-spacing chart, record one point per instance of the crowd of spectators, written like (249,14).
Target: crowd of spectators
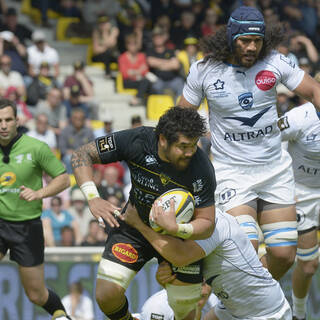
(153,42)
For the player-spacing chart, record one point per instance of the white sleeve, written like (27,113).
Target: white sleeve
(293,122)
(291,74)
(192,90)
(210,244)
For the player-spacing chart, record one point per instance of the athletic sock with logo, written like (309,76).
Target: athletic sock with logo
(299,306)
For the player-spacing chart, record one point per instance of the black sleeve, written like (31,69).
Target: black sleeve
(120,145)
(204,184)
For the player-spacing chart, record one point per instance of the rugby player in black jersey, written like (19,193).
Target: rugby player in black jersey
(159,159)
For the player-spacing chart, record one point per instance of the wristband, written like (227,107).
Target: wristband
(185,230)
(89,190)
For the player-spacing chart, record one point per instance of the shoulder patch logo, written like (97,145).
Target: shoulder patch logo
(283,123)
(156,316)
(150,159)
(106,144)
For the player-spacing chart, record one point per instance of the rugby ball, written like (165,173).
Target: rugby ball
(183,205)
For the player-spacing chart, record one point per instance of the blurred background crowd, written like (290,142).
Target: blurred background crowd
(144,47)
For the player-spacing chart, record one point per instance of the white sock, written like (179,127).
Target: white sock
(299,306)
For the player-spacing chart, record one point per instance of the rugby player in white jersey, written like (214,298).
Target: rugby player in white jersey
(301,128)
(231,266)
(238,78)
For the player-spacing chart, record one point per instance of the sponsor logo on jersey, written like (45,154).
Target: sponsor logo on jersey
(7,179)
(156,316)
(226,194)
(246,121)
(265,80)
(219,85)
(283,123)
(222,294)
(106,144)
(164,179)
(191,269)
(150,159)
(249,135)
(125,252)
(301,216)
(311,137)
(245,100)
(312,171)
(197,185)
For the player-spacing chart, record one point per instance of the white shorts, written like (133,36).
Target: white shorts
(283,314)
(239,184)
(308,206)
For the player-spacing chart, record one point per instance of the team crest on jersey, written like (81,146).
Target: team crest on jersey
(106,144)
(245,100)
(226,194)
(125,252)
(265,80)
(7,179)
(219,85)
(156,316)
(164,179)
(150,159)
(283,123)
(301,216)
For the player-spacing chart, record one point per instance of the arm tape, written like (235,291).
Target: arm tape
(185,230)
(89,190)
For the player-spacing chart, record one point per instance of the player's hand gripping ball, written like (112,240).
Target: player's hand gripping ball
(183,205)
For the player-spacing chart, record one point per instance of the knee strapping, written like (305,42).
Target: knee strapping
(308,254)
(280,234)
(183,299)
(249,226)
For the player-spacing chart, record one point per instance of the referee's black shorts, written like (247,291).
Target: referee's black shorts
(25,241)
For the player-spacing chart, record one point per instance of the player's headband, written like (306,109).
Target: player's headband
(245,21)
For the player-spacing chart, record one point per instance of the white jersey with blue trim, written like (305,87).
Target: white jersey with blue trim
(242,106)
(301,128)
(237,277)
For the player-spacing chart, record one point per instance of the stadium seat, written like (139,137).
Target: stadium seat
(157,104)
(62,26)
(120,88)
(100,65)
(73,181)
(96,124)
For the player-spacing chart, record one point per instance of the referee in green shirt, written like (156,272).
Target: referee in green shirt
(23,160)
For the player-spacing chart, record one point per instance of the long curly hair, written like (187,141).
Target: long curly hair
(178,120)
(216,47)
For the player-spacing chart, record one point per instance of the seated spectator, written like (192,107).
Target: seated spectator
(77,304)
(73,136)
(69,8)
(42,52)
(186,26)
(56,218)
(80,211)
(54,109)
(210,24)
(104,42)
(164,64)
(107,126)
(11,46)
(81,79)
(43,132)
(41,85)
(136,121)
(74,102)
(110,185)
(133,67)
(306,65)
(67,237)
(96,236)
(190,54)
(10,78)
(23,112)
(10,23)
